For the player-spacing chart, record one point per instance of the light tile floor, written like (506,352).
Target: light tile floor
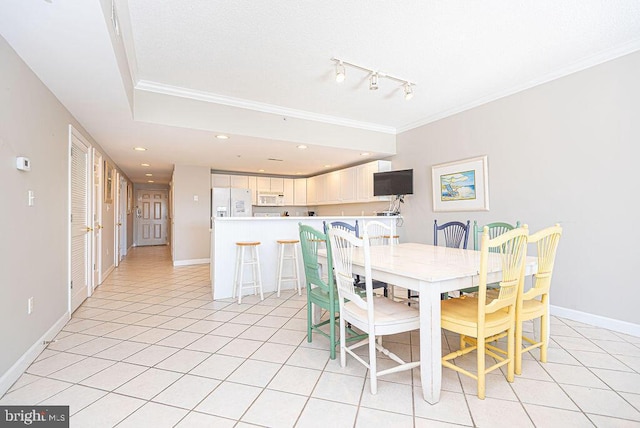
(151,349)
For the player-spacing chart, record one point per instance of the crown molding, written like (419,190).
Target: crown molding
(159,88)
(582,64)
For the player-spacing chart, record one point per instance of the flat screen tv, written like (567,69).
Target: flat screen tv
(393,183)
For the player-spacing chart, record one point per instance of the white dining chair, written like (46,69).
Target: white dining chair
(373,314)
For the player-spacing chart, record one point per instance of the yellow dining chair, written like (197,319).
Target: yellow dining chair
(534,303)
(480,319)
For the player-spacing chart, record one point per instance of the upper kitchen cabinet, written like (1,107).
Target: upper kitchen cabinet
(348,185)
(299,191)
(364,180)
(332,186)
(239,181)
(312,183)
(220,180)
(289,197)
(271,184)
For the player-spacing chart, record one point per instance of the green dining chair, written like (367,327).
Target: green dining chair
(321,291)
(495,229)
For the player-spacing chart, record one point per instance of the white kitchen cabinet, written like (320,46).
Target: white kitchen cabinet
(333,188)
(364,179)
(288,191)
(348,185)
(321,189)
(312,197)
(277,184)
(264,184)
(299,192)
(253,186)
(239,181)
(271,184)
(220,180)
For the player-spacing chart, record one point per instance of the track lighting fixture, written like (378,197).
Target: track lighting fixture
(408,91)
(373,82)
(340,72)
(373,77)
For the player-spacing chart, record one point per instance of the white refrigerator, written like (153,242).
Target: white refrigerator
(228,202)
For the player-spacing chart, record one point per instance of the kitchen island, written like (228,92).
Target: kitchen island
(226,231)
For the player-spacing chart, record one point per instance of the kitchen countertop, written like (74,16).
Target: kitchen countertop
(302,217)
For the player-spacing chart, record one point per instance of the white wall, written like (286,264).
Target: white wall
(190,220)
(566,152)
(34,240)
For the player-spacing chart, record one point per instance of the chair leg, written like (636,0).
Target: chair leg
(544,322)
(518,347)
(373,370)
(279,269)
(343,343)
(332,333)
(259,272)
(241,276)
(309,318)
(481,368)
(511,354)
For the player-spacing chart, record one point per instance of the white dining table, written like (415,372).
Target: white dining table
(430,270)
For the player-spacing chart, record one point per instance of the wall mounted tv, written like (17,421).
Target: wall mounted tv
(393,183)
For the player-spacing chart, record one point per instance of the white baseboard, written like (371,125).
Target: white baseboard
(106,273)
(191,262)
(32,353)
(597,320)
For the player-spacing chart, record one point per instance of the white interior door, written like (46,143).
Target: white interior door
(80,237)
(122,222)
(151,215)
(97,218)
(116,221)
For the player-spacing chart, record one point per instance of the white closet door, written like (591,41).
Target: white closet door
(80,236)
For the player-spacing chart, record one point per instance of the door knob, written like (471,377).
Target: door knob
(89,229)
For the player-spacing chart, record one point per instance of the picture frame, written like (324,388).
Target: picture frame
(461,185)
(108,183)
(129,198)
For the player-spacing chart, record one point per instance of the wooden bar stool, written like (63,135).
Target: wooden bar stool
(250,249)
(293,256)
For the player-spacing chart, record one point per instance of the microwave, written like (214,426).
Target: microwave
(270,199)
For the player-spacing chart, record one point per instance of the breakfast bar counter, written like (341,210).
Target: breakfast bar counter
(226,231)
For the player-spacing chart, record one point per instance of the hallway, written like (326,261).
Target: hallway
(151,349)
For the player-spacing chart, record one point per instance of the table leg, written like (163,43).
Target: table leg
(430,343)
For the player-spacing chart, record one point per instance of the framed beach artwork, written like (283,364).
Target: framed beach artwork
(108,183)
(461,185)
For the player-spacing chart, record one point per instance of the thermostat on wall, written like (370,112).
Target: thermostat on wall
(23,164)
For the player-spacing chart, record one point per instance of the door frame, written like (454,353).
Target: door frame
(98,188)
(73,132)
(116,221)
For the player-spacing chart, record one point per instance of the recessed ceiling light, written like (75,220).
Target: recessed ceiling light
(365,154)
(298,173)
(302,147)
(139,149)
(327,166)
(144,164)
(261,170)
(149,175)
(222,137)
(150,181)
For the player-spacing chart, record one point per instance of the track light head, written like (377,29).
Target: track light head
(340,74)
(408,91)
(373,82)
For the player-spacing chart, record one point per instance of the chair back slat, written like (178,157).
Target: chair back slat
(512,248)
(546,241)
(311,240)
(495,229)
(456,234)
(380,233)
(342,243)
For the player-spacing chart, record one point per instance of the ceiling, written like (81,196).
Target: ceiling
(171,75)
